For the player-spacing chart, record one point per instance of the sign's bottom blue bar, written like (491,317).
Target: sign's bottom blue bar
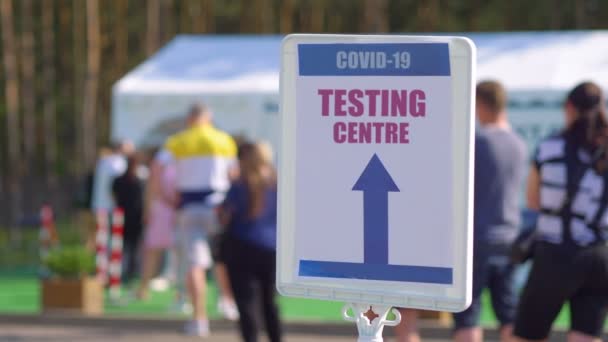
(351,270)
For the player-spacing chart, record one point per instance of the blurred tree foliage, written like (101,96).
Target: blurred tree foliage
(61,57)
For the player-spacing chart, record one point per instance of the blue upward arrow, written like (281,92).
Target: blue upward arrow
(376,183)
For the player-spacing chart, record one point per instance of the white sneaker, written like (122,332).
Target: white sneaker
(159,284)
(197,328)
(228,309)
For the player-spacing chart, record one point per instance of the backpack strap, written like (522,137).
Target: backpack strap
(575,171)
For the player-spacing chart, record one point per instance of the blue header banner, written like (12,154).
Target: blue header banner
(400,59)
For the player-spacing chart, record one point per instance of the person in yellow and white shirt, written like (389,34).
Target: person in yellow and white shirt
(203,156)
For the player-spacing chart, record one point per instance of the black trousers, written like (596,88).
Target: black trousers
(558,275)
(129,254)
(252,277)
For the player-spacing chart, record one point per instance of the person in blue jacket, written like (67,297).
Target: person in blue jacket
(249,214)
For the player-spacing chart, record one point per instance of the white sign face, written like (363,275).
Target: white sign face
(376,170)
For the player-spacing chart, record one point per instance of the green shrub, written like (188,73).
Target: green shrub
(70,262)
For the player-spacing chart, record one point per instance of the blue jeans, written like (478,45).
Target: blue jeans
(497,275)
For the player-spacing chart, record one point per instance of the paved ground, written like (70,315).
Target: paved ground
(18,333)
(75,328)
(43,333)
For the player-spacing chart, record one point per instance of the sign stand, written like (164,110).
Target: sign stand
(370,330)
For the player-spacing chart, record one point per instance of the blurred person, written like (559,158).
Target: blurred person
(407,330)
(500,165)
(86,216)
(226,304)
(249,212)
(128,192)
(159,220)
(568,187)
(109,166)
(203,156)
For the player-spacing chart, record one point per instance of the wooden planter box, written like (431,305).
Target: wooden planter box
(73,295)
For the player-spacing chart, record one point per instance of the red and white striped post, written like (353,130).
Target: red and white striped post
(115,269)
(101,245)
(47,230)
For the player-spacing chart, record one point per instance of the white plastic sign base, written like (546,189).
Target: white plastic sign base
(370,330)
(375,170)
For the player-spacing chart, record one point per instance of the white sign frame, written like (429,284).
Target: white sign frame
(454,297)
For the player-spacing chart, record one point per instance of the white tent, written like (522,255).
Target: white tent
(238,77)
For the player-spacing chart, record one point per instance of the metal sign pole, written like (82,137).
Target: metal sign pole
(370,330)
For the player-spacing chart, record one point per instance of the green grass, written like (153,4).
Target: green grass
(20,294)
(19,290)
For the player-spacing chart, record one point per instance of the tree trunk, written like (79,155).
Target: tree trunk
(335,22)
(556,14)
(198,16)
(246,14)
(317,16)
(303,11)
(91,83)
(167,25)
(286,16)
(79,42)
(194,15)
(507,10)
(264,16)
(121,54)
(375,16)
(472,22)
(428,14)
(187,10)
(11,93)
(48,74)
(580,13)
(107,43)
(65,70)
(152,26)
(117,31)
(209,15)
(27,87)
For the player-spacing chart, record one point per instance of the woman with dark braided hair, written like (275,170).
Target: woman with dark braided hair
(568,187)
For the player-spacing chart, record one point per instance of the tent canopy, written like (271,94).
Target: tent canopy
(208,64)
(238,77)
(523,61)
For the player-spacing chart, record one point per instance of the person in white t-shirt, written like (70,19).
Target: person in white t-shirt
(109,167)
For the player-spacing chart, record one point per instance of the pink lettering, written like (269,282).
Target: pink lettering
(352,132)
(417,103)
(365,132)
(356,107)
(339,102)
(391,132)
(378,128)
(339,135)
(325,93)
(371,132)
(404,133)
(384,103)
(398,102)
(371,94)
